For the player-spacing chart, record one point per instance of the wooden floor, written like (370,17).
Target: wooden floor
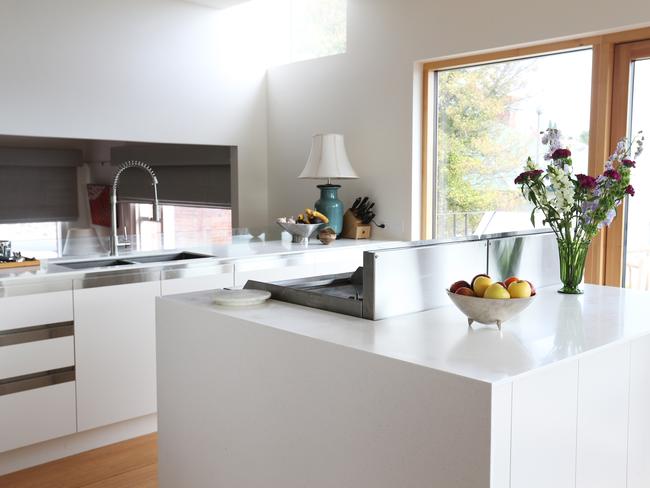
(129,464)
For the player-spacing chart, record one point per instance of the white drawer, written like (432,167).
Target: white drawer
(37,415)
(30,305)
(36,357)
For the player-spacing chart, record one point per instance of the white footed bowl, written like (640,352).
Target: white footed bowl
(300,233)
(489,311)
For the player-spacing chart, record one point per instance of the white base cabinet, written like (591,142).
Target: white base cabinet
(37,415)
(115,334)
(289,408)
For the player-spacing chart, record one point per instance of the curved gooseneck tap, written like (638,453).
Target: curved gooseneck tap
(156,209)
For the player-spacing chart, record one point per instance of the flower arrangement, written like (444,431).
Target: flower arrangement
(577,206)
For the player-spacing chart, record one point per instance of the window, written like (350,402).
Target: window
(318,28)
(35,239)
(180,226)
(291,30)
(485,120)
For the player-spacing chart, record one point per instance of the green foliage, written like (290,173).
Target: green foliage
(478,151)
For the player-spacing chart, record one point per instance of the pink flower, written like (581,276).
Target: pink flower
(561,154)
(613,174)
(629,163)
(629,189)
(587,182)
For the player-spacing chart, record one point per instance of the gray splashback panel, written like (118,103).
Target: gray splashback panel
(409,280)
(531,257)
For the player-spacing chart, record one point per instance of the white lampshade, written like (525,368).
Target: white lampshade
(328,159)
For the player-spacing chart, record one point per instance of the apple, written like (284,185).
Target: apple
(520,289)
(480,283)
(509,280)
(459,284)
(464,290)
(496,292)
(533,292)
(503,284)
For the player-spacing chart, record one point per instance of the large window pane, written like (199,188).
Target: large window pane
(489,118)
(637,250)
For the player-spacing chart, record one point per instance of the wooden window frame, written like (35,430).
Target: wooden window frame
(604,262)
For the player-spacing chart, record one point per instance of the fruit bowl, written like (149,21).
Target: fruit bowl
(487,311)
(300,233)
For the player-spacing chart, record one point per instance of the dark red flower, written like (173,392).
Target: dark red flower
(629,163)
(561,154)
(613,174)
(629,189)
(587,182)
(527,175)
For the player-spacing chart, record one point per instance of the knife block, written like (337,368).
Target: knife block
(353,228)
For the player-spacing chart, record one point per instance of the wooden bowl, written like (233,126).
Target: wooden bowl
(488,311)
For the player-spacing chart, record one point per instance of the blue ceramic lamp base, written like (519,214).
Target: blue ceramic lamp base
(330,205)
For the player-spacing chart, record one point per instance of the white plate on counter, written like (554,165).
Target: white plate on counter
(240,298)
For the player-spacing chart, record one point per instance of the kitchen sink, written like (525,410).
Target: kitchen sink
(159,258)
(96,264)
(163,258)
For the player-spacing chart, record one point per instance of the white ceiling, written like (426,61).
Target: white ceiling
(217,3)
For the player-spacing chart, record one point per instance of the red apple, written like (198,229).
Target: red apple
(512,279)
(502,284)
(464,290)
(459,284)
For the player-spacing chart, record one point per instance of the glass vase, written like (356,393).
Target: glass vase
(572,264)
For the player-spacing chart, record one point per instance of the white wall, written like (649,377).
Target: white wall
(369,93)
(145,70)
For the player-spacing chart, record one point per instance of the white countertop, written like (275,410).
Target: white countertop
(554,328)
(218,254)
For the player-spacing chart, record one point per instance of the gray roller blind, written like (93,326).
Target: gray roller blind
(38,194)
(38,185)
(187,174)
(178,185)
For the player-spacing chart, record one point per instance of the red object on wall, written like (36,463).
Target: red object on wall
(99,198)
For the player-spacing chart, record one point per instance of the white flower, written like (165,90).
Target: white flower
(552,137)
(562,188)
(531,165)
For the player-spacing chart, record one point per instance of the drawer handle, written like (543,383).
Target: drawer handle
(37,380)
(37,333)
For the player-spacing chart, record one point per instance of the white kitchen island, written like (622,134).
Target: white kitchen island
(285,396)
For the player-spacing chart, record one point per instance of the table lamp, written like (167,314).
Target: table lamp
(328,160)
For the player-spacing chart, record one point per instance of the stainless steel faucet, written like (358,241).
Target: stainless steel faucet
(115,244)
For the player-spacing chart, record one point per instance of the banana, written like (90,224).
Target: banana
(316,214)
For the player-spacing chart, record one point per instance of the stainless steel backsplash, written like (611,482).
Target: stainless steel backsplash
(414,278)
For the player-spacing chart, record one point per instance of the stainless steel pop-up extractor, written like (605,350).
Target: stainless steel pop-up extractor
(413,277)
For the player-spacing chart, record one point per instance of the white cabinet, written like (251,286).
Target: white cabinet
(294,266)
(35,304)
(37,388)
(639,427)
(197,279)
(544,410)
(37,415)
(603,401)
(116,349)
(36,357)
